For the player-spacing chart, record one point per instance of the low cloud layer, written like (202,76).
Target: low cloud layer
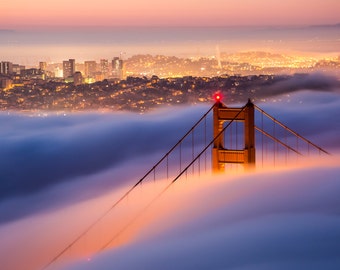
(269,221)
(312,114)
(286,219)
(266,220)
(318,82)
(40,152)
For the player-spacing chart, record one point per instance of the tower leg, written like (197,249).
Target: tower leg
(221,114)
(249,136)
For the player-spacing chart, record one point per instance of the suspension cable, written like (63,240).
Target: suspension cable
(277,140)
(171,183)
(290,130)
(104,214)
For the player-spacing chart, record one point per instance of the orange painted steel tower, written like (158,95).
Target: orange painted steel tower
(220,155)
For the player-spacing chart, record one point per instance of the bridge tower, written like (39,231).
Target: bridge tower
(221,155)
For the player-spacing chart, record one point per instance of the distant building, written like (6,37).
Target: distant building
(69,68)
(17,69)
(6,68)
(117,68)
(77,78)
(99,77)
(104,67)
(43,66)
(5,83)
(32,73)
(90,69)
(58,72)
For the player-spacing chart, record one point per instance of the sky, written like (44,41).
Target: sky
(38,13)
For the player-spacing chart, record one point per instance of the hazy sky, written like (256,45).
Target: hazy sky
(22,13)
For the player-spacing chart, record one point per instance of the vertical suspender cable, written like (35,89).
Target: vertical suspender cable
(262,137)
(286,152)
(274,135)
(167,167)
(205,143)
(180,157)
(193,150)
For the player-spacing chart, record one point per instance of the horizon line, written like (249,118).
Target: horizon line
(66,27)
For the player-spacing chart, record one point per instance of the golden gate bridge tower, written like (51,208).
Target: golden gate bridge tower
(221,155)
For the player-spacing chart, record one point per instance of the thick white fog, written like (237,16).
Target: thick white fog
(59,172)
(271,220)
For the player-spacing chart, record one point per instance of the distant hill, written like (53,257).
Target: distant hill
(326,26)
(6,31)
(260,58)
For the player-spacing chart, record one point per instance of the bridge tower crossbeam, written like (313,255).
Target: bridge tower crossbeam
(221,155)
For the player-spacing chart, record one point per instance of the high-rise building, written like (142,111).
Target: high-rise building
(104,67)
(90,68)
(6,68)
(43,66)
(117,68)
(17,69)
(69,68)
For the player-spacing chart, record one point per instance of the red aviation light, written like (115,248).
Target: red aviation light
(218,97)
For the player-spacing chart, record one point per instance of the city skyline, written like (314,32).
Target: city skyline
(18,14)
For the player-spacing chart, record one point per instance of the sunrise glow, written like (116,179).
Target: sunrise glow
(19,13)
